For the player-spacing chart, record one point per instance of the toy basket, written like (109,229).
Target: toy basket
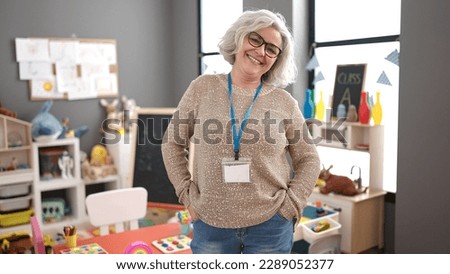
(15,218)
(310,235)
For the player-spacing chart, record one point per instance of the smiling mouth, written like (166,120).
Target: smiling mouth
(254,60)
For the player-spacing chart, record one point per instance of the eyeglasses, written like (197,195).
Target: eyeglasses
(270,49)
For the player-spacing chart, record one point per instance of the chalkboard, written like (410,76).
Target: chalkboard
(148,170)
(348,85)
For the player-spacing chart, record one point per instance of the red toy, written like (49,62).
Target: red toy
(338,184)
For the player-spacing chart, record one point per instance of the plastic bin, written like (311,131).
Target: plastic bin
(310,236)
(15,204)
(16,218)
(14,190)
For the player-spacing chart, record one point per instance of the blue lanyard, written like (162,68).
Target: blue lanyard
(238,135)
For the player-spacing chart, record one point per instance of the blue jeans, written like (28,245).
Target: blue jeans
(274,236)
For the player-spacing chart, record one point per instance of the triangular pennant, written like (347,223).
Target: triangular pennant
(383,79)
(393,57)
(318,77)
(313,63)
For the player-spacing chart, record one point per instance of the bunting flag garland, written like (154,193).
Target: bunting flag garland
(313,63)
(383,79)
(393,57)
(318,77)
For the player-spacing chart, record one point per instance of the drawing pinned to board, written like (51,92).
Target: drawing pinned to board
(45,88)
(32,50)
(35,70)
(64,51)
(68,68)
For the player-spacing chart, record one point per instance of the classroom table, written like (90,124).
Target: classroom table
(117,243)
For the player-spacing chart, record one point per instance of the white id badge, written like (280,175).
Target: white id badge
(236,171)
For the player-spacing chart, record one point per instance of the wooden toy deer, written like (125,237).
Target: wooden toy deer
(338,184)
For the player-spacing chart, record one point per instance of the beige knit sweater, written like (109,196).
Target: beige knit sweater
(275,130)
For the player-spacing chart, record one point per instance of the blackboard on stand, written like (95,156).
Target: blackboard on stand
(348,84)
(148,168)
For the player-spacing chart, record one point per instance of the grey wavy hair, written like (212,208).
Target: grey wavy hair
(284,71)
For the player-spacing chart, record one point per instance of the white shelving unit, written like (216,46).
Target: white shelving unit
(54,186)
(16,165)
(361,216)
(73,190)
(355,137)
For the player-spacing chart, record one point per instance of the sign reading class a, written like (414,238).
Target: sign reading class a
(348,85)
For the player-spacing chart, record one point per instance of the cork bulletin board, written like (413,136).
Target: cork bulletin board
(68,68)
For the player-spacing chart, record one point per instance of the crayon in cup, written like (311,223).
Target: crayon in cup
(70,236)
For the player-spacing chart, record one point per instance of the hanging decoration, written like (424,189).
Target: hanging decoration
(313,63)
(318,77)
(393,57)
(383,79)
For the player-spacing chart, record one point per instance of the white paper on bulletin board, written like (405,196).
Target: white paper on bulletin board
(68,68)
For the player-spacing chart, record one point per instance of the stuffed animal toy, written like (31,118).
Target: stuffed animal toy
(113,119)
(45,126)
(338,184)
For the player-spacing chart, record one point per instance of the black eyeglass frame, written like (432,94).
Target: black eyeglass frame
(263,43)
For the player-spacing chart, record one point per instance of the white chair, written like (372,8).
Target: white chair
(117,207)
(326,245)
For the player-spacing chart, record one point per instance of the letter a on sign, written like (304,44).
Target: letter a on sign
(346,98)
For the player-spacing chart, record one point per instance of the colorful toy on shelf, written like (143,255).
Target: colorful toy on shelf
(352,114)
(65,163)
(338,184)
(100,165)
(99,155)
(54,209)
(44,126)
(308,106)
(71,132)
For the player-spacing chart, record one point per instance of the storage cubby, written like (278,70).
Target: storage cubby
(361,216)
(51,187)
(58,198)
(16,174)
(356,137)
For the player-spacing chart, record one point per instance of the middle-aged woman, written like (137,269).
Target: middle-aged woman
(244,194)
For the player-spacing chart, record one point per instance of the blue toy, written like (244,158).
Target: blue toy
(45,126)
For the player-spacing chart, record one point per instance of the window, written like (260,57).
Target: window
(355,32)
(215,18)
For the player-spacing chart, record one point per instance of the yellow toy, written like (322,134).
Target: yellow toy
(321,226)
(99,155)
(320,182)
